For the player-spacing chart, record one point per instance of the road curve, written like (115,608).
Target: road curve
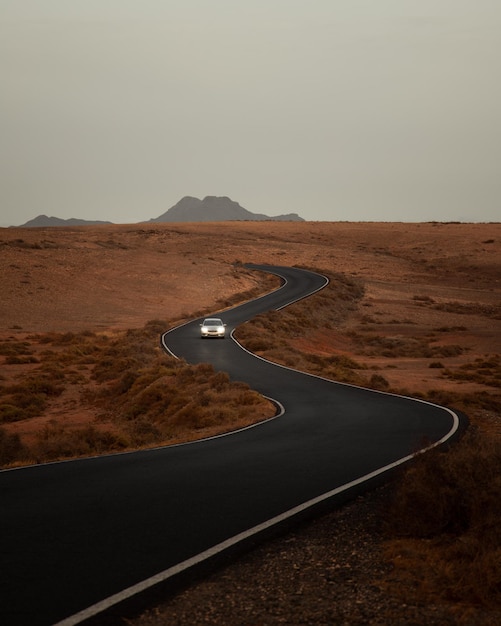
(79,537)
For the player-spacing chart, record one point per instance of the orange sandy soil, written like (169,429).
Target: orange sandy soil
(110,278)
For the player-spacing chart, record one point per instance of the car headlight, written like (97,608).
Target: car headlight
(220,329)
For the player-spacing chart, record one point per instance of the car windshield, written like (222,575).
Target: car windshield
(213,322)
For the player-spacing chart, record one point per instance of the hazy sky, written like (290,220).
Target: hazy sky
(384,110)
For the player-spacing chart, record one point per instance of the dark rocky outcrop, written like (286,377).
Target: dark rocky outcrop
(215,209)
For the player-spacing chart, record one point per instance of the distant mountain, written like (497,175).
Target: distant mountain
(216,209)
(43,220)
(188,209)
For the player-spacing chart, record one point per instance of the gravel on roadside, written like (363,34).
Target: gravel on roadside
(329,571)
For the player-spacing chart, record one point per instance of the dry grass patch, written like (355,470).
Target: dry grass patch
(483,370)
(139,396)
(470,308)
(443,524)
(397,346)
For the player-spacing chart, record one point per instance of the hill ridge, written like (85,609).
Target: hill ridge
(188,209)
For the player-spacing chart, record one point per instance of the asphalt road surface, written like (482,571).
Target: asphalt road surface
(79,537)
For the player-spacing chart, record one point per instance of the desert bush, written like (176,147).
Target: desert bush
(130,381)
(141,432)
(20,360)
(219,381)
(28,398)
(125,382)
(11,447)
(11,413)
(448,502)
(423,298)
(398,346)
(15,348)
(168,398)
(40,384)
(484,371)
(154,328)
(336,367)
(470,308)
(126,353)
(55,441)
(379,382)
(150,401)
(466,402)
(253,343)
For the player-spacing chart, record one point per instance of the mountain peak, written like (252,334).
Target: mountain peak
(215,209)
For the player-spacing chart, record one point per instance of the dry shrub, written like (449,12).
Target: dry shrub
(55,441)
(154,398)
(20,360)
(379,382)
(324,309)
(470,308)
(446,506)
(466,402)
(178,398)
(12,348)
(399,346)
(28,398)
(141,432)
(149,397)
(485,371)
(11,447)
(257,344)
(335,367)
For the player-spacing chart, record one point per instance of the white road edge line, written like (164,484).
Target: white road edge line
(161,577)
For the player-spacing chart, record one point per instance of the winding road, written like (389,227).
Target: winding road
(80,537)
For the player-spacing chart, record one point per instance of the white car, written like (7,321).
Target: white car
(212,327)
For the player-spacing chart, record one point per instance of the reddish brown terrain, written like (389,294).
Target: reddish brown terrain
(429,320)
(418,278)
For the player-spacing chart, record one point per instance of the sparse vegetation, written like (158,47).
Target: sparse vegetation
(144,397)
(27,398)
(443,525)
(370,344)
(272,334)
(55,441)
(423,298)
(484,371)
(470,308)
(11,448)
(12,348)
